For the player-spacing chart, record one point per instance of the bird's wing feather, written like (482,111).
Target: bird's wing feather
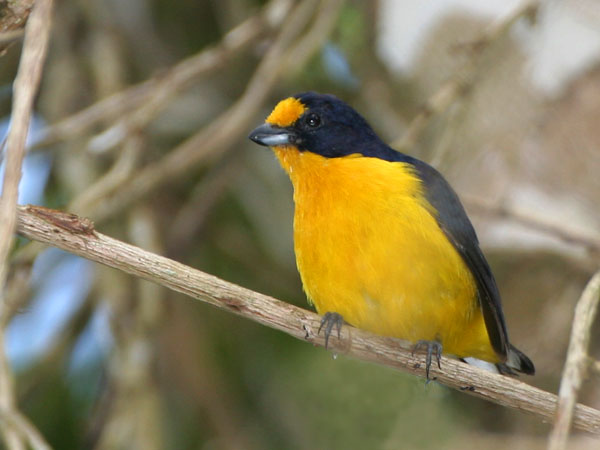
(454,222)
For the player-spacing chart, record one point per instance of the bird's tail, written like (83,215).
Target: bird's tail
(516,362)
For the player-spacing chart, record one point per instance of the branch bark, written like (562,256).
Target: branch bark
(76,235)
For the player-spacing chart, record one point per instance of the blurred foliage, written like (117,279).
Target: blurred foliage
(180,374)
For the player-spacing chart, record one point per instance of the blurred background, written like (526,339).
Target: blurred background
(141,125)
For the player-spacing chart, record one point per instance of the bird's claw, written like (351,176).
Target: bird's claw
(330,320)
(431,347)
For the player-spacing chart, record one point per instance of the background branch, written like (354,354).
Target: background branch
(465,78)
(215,138)
(17,429)
(577,363)
(13,17)
(149,97)
(70,233)
(559,230)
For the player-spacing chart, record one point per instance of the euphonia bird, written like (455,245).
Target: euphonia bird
(382,241)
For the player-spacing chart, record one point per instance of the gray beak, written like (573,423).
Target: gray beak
(272,136)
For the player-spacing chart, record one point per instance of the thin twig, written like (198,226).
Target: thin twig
(315,36)
(49,227)
(9,36)
(26,84)
(193,214)
(118,174)
(465,77)
(576,364)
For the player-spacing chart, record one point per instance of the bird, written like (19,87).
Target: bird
(382,241)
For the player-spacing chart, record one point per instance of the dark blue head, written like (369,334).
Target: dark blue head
(322,124)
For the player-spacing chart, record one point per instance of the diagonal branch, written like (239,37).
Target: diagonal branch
(75,235)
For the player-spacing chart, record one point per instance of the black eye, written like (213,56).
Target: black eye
(313,121)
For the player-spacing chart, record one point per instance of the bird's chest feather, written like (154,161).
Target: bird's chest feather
(368,247)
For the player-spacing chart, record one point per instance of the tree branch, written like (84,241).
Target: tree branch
(576,364)
(76,235)
(16,428)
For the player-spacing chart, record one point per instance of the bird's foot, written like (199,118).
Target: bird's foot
(330,320)
(432,348)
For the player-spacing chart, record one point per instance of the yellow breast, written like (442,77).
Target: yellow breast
(368,247)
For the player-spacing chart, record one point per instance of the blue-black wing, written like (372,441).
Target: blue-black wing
(453,220)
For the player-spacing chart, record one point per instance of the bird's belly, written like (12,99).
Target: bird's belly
(389,268)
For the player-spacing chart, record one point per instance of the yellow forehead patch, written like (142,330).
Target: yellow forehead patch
(286,112)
